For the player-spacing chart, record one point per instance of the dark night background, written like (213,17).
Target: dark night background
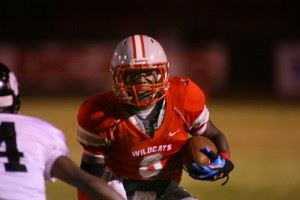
(64,45)
(250,29)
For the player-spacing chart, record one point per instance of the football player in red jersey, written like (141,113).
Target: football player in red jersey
(133,134)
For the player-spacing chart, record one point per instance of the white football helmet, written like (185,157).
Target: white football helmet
(140,56)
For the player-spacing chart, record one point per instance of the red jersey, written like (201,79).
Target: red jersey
(106,129)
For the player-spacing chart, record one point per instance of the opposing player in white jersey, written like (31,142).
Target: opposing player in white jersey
(32,151)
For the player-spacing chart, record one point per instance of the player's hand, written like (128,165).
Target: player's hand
(219,167)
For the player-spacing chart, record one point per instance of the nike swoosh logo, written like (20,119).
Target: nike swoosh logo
(174,133)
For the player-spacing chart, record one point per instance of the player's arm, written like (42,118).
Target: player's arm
(66,170)
(95,128)
(221,165)
(218,138)
(92,160)
(92,135)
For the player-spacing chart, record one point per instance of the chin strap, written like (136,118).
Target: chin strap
(225,155)
(226,180)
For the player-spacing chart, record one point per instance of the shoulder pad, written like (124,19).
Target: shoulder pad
(191,95)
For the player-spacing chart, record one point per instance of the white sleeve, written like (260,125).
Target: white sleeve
(200,124)
(88,138)
(57,147)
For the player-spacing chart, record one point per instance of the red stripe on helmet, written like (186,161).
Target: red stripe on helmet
(134,46)
(143,46)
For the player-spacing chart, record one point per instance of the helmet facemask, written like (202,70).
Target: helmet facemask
(141,85)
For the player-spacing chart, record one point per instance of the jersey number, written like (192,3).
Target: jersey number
(151,165)
(8,135)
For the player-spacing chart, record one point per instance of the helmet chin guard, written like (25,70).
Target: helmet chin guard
(140,54)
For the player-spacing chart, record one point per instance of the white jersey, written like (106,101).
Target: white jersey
(28,149)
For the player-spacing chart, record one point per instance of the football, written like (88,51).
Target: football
(191,151)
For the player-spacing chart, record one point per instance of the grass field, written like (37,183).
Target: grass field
(264,138)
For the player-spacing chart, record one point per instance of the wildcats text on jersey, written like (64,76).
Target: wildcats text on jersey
(152,149)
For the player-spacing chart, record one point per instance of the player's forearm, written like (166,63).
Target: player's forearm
(217,137)
(221,144)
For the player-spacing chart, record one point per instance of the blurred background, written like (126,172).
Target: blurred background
(244,54)
(64,46)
